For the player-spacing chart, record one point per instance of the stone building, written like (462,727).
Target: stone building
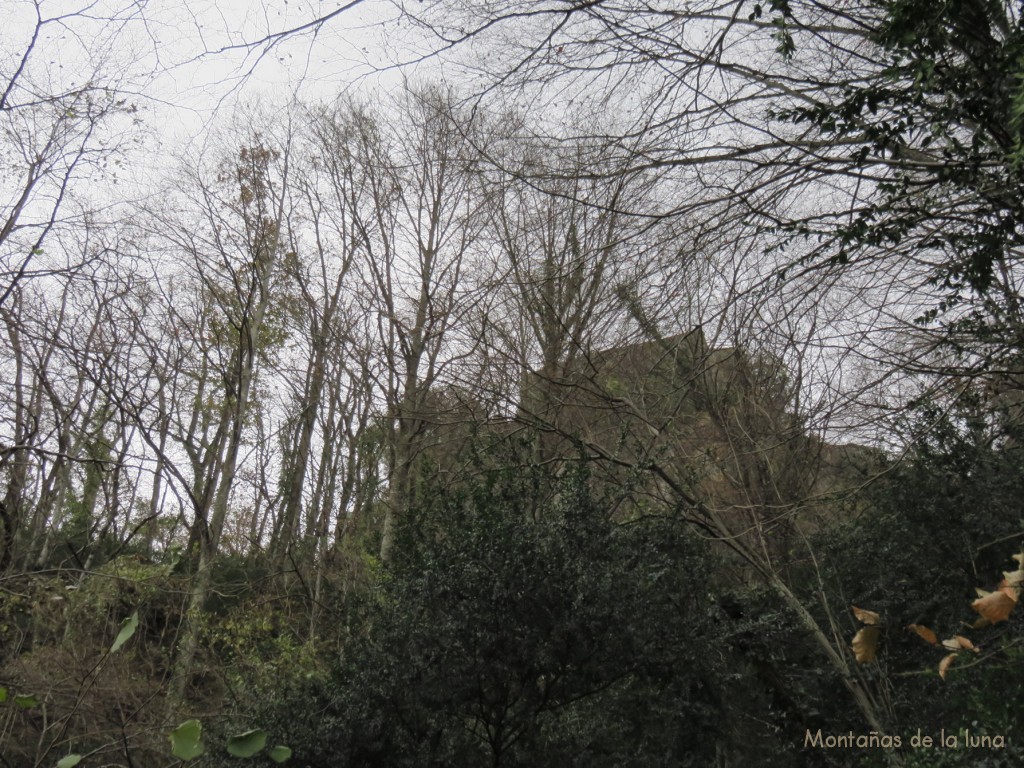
(714,425)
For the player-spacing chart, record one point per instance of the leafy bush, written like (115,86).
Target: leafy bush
(498,639)
(939,524)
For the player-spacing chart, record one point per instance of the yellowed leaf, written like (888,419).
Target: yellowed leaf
(945,664)
(866,617)
(965,643)
(865,644)
(1013,578)
(980,623)
(996,606)
(982,592)
(924,633)
(959,643)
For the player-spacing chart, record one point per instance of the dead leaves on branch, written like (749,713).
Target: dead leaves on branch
(992,607)
(866,617)
(955,644)
(865,642)
(995,606)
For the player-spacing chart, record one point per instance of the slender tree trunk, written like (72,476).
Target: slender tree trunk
(297,463)
(16,457)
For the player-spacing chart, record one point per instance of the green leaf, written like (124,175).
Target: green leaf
(128,627)
(279,753)
(247,744)
(69,762)
(3,694)
(26,700)
(186,740)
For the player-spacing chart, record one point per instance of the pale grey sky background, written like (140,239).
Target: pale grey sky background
(190,66)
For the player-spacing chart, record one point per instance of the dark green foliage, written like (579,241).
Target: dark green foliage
(939,123)
(939,524)
(500,640)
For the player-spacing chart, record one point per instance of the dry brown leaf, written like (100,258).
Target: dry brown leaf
(965,643)
(944,665)
(959,643)
(980,623)
(1013,578)
(1020,559)
(924,633)
(866,617)
(865,644)
(996,606)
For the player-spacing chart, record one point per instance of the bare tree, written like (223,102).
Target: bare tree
(55,133)
(196,375)
(414,204)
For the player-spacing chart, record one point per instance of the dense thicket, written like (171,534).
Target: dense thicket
(503,638)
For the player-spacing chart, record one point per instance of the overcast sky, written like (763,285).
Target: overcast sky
(187,65)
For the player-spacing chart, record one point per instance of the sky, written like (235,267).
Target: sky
(186,66)
(192,67)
